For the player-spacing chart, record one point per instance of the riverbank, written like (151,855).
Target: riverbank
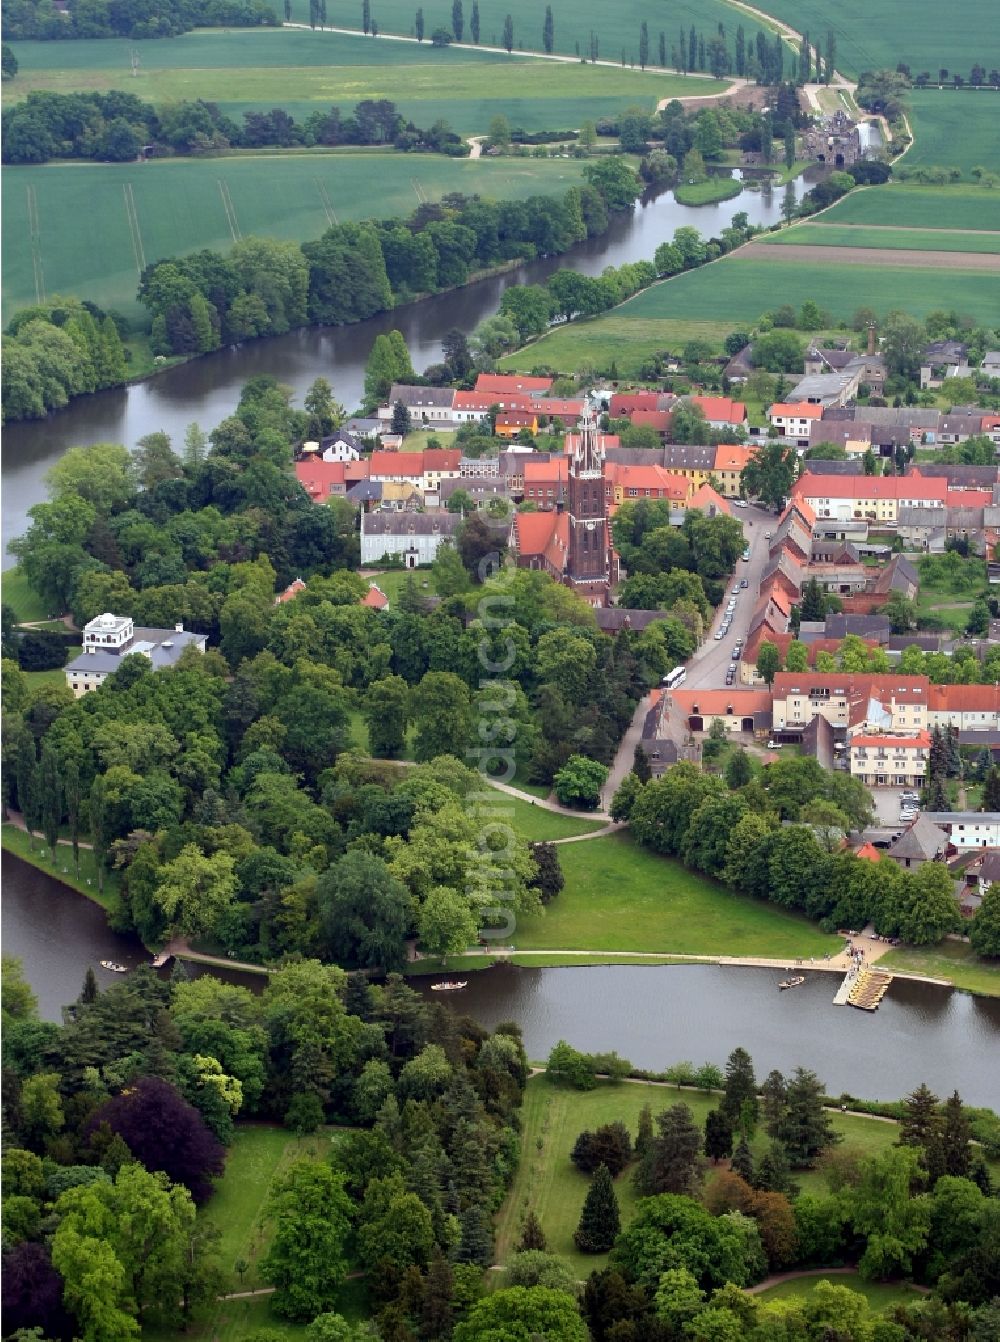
(35,851)
(709,192)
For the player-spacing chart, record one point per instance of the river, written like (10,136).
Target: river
(652,1015)
(207,389)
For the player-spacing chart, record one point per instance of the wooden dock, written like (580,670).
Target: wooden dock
(843,993)
(868,989)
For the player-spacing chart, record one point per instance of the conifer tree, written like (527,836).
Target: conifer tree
(436,1312)
(718,1136)
(742,1161)
(740,1087)
(956,1132)
(457,19)
(644,1134)
(474,22)
(532,1234)
(508,33)
(920,1121)
(548,30)
(806,1130)
(599,1220)
(640,764)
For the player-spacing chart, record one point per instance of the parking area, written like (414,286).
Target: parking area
(887,805)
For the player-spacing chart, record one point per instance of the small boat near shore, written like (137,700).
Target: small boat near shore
(449,986)
(113,967)
(791,983)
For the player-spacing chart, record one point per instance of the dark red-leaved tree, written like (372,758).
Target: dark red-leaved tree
(165,1133)
(32,1292)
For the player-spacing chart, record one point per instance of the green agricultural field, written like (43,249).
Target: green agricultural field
(899,206)
(616,26)
(551,1186)
(954,129)
(85,242)
(885,239)
(879,1294)
(303,71)
(918,32)
(621,897)
(739,290)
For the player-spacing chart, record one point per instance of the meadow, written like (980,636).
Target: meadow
(948,207)
(670,909)
(914,31)
(550,1185)
(302,71)
(954,129)
(85,242)
(632,339)
(616,26)
(879,1294)
(885,238)
(952,960)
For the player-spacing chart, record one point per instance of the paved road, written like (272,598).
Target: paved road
(707,668)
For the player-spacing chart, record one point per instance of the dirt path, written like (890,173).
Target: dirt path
(872,256)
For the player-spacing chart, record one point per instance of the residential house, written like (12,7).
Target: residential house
(942,359)
(108,638)
(511,384)
(868,701)
(425,470)
(512,422)
(922,841)
(427,405)
(290,592)
(374,598)
(660,420)
(827,389)
(876,497)
(885,759)
(623,483)
(720,411)
(738,710)
(792,419)
(321,479)
(416,537)
(624,404)
(340,446)
(966,830)
(970,708)
(730,462)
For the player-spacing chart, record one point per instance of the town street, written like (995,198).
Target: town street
(707,668)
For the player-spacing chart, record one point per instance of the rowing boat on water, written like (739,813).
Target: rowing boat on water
(449,986)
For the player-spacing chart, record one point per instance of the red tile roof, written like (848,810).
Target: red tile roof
(964,698)
(869,853)
(557,406)
(375,597)
(316,476)
(732,456)
(517,419)
(627,402)
(744,703)
(845,684)
(499,383)
(653,419)
(290,592)
(920,741)
(969,498)
(707,497)
(478,400)
(896,487)
(721,408)
(546,472)
(796,410)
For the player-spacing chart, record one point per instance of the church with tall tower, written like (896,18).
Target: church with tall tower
(573,542)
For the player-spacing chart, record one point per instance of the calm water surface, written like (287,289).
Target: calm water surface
(653,1016)
(206,390)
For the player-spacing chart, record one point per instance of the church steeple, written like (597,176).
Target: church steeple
(589,568)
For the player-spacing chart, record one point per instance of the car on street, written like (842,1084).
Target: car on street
(767,535)
(730,678)
(735,654)
(908,813)
(718,635)
(746,555)
(736,590)
(744,583)
(739,503)
(909,798)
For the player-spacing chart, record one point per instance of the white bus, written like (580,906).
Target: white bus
(676,677)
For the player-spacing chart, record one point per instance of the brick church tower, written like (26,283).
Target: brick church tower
(588,569)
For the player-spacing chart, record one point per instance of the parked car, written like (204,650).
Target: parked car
(718,635)
(735,654)
(767,535)
(736,590)
(744,583)
(739,503)
(909,797)
(907,814)
(746,554)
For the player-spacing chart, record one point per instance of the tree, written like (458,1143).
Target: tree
(194,892)
(532,1234)
(882,1207)
(508,34)
(474,22)
(442,715)
(955,1136)
(578,783)
(768,661)
(50,790)
(418,25)
(387,714)
(610,1145)
(306,1261)
(740,1090)
(365,912)
(806,1129)
(164,1132)
(643,44)
(325,414)
(985,930)
(742,1162)
(457,19)
(442,37)
(380,372)
(718,1136)
(446,925)
(738,771)
(548,31)
(770,473)
(672,1164)
(623,802)
(549,879)
(521,1314)
(599,1220)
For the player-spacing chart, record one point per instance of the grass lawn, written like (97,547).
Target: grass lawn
(417,441)
(709,191)
(551,1186)
(879,1294)
(180,209)
(954,128)
(17,593)
(950,207)
(915,31)
(57,676)
(621,897)
(15,840)
(257,1156)
(952,960)
(887,239)
(535,824)
(629,342)
(232,1321)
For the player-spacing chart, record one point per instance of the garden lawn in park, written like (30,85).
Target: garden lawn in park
(879,1294)
(86,247)
(55,677)
(616,26)
(258,1154)
(918,32)
(904,206)
(36,852)
(232,1321)
(952,960)
(621,897)
(885,239)
(538,825)
(16,592)
(550,1185)
(306,71)
(954,128)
